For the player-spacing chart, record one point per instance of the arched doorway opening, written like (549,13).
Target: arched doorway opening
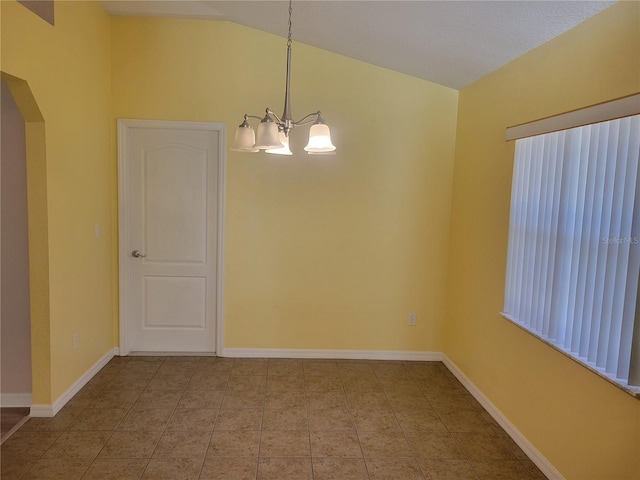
(37,277)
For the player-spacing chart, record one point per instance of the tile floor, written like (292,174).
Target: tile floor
(189,418)
(10,419)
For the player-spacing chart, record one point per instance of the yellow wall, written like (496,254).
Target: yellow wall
(67,68)
(586,427)
(326,252)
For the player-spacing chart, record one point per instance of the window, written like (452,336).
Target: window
(574,244)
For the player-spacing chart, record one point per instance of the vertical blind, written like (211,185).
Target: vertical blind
(574,243)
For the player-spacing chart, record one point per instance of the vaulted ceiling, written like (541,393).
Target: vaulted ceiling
(452,43)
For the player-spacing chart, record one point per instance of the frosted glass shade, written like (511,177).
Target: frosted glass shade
(244,140)
(267,136)
(285,150)
(319,139)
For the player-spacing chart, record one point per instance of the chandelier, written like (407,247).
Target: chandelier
(273,132)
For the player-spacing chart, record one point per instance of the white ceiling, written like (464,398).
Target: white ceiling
(453,43)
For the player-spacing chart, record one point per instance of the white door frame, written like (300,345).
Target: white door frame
(123,221)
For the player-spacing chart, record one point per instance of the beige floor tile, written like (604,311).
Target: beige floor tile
(448,403)
(280,400)
(335,444)
(290,383)
(393,469)
(368,400)
(483,446)
(115,399)
(130,444)
(331,419)
(138,381)
(29,444)
(84,397)
(178,367)
(14,468)
(204,380)
(115,469)
(316,368)
(194,419)
(243,399)
(184,358)
(420,421)
(434,445)
(509,442)
(467,420)
(58,469)
(282,468)
(324,400)
(146,419)
(158,399)
(384,444)
(259,419)
(172,469)
(58,423)
(285,444)
(439,393)
(239,419)
(168,382)
(401,401)
(500,470)
(234,444)
(182,444)
(247,384)
(294,418)
(331,468)
(390,369)
(323,384)
(229,468)
(404,385)
(447,469)
(77,445)
(141,366)
(291,368)
(244,368)
(375,420)
(355,369)
(533,470)
(98,419)
(218,367)
(201,399)
(361,384)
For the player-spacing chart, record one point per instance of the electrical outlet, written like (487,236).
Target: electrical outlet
(412,320)
(74,341)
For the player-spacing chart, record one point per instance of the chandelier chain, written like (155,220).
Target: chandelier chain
(290,12)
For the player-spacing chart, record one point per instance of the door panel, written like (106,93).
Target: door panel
(175,204)
(171,208)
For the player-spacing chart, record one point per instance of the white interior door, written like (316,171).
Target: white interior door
(171,176)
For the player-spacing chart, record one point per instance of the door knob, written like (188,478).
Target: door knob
(137,254)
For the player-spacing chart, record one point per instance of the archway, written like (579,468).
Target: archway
(36,179)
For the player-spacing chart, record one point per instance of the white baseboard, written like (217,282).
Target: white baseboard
(45,410)
(338,354)
(536,457)
(9,400)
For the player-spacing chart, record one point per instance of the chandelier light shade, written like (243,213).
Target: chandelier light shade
(267,136)
(272,133)
(245,138)
(284,150)
(319,137)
